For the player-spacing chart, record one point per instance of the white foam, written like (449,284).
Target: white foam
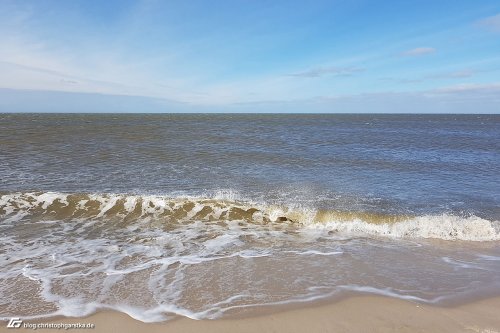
(48,198)
(446,227)
(488,257)
(106,204)
(130,203)
(390,293)
(316,252)
(220,242)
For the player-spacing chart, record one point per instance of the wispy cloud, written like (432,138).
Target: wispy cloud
(327,71)
(471,98)
(419,51)
(461,74)
(69,81)
(491,23)
(23,100)
(492,89)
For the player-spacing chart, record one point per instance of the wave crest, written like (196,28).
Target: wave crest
(132,208)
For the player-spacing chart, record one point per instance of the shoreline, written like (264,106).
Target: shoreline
(366,313)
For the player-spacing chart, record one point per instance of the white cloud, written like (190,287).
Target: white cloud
(419,51)
(491,23)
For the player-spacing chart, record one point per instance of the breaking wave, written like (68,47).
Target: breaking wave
(130,209)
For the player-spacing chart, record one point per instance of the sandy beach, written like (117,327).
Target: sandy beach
(354,314)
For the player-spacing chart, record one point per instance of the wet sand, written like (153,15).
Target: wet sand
(354,314)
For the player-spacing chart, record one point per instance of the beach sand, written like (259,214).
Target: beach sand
(354,314)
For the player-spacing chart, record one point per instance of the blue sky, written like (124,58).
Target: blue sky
(250,56)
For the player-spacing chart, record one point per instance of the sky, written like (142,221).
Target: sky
(250,56)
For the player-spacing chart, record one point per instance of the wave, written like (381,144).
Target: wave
(54,206)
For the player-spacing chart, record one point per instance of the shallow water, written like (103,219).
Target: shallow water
(210,215)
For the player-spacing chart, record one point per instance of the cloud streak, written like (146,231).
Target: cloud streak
(327,71)
(471,98)
(419,51)
(463,90)
(466,73)
(459,74)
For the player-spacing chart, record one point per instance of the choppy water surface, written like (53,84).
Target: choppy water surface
(210,215)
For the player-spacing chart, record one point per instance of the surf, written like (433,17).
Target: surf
(130,209)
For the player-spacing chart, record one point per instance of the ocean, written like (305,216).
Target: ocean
(220,215)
